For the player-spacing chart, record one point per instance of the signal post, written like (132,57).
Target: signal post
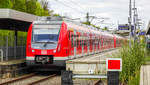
(114,65)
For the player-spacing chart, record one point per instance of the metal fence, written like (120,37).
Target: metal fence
(9,50)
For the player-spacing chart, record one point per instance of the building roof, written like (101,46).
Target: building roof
(15,20)
(148,29)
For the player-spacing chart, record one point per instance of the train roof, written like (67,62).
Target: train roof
(72,24)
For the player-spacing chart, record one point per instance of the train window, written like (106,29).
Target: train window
(84,42)
(78,43)
(88,42)
(100,41)
(92,41)
(97,41)
(75,41)
(72,40)
(69,35)
(104,42)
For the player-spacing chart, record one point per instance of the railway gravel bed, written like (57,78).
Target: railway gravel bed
(56,80)
(2,80)
(87,82)
(32,80)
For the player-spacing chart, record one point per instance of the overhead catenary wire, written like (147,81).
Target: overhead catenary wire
(70,6)
(76,4)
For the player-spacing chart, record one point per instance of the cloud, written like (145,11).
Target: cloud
(117,10)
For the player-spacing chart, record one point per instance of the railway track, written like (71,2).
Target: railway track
(30,79)
(42,80)
(98,82)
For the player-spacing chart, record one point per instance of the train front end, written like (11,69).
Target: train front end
(43,42)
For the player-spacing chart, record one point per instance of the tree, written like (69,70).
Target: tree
(44,4)
(56,15)
(5,4)
(19,5)
(31,6)
(105,28)
(39,10)
(91,25)
(87,23)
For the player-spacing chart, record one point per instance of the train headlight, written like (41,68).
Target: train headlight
(33,51)
(54,51)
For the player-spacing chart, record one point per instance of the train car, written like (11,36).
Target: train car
(52,41)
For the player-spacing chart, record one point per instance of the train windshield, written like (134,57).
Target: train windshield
(45,33)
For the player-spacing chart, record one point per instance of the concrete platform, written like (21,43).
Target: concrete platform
(92,64)
(12,68)
(12,62)
(145,75)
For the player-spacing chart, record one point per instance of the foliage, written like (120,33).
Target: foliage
(39,9)
(19,5)
(105,28)
(87,23)
(10,34)
(30,6)
(5,4)
(133,58)
(135,80)
(56,15)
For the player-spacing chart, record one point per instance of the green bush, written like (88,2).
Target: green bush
(133,58)
(11,38)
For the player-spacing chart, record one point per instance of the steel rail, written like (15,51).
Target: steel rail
(17,79)
(41,80)
(97,82)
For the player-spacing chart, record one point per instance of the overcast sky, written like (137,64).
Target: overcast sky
(116,10)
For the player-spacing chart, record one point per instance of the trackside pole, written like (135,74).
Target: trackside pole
(113,66)
(66,77)
(113,77)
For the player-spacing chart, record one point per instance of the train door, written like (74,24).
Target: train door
(99,43)
(75,44)
(82,44)
(102,45)
(114,42)
(88,44)
(96,43)
(93,41)
(71,51)
(78,45)
(85,44)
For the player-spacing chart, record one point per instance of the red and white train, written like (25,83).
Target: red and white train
(52,40)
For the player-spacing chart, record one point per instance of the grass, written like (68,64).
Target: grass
(133,57)
(135,80)
(147,59)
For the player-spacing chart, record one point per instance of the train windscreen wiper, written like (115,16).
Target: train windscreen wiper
(45,44)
